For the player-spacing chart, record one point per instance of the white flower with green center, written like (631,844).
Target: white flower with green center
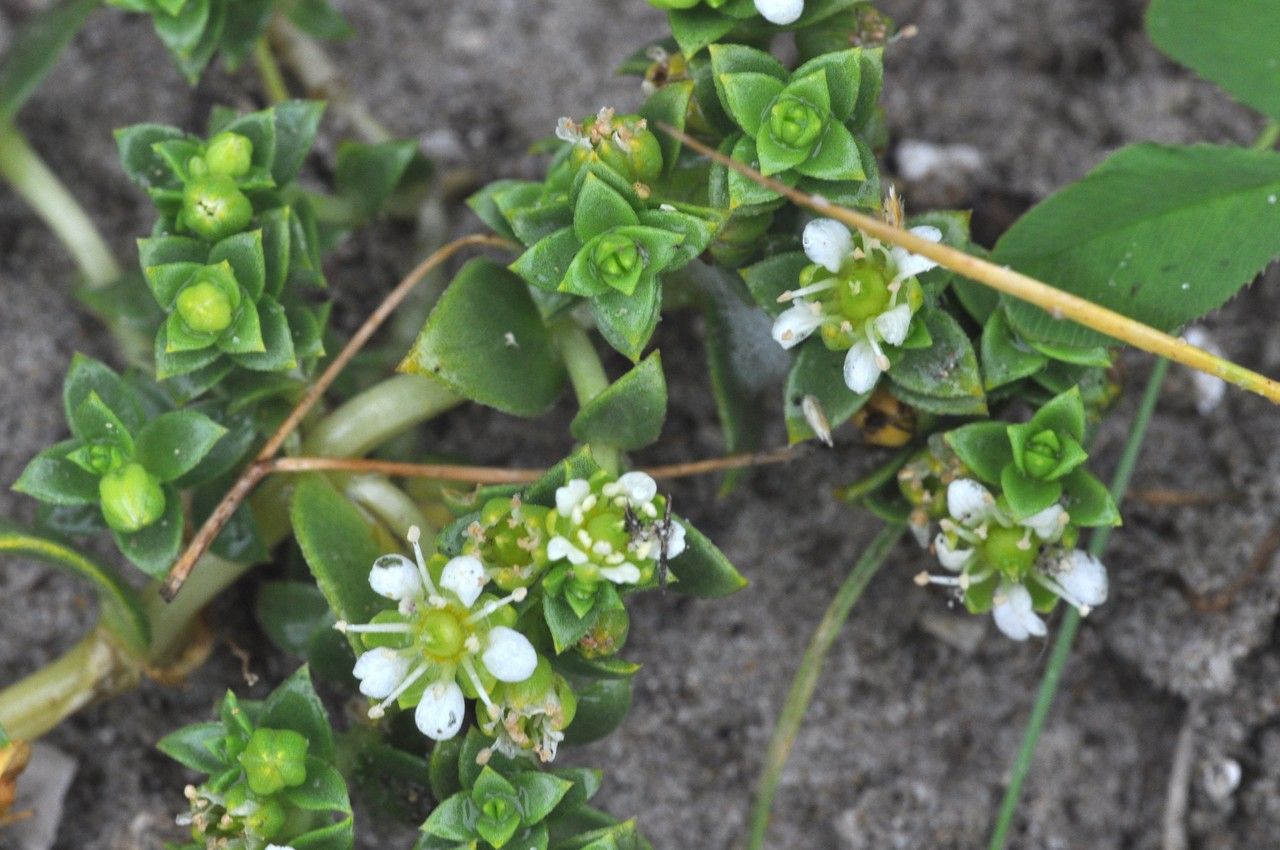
(1012,568)
(859,293)
(608,530)
(446,640)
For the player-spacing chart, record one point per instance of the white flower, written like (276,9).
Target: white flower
(509,656)
(969,502)
(794,324)
(827,242)
(379,671)
(675,539)
(572,495)
(395,577)
(892,325)
(908,264)
(954,559)
(627,573)
(862,367)
(1014,614)
(1048,524)
(440,713)
(1078,578)
(780,12)
(638,487)
(465,576)
(279,847)
(559,549)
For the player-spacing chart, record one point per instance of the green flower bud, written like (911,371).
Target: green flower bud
(266,821)
(229,155)
(97,458)
(607,636)
(633,153)
(1042,454)
(131,498)
(274,759)
(795,124)
(616,257)
(205,308)
(513,544)
(214,208)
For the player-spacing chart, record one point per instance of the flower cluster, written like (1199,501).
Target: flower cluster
(859,294)
(1013,567)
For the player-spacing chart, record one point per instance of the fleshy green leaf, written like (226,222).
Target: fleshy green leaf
(244,253)
(843,73)
(450,819)
(1027,496)
(121,608)
(669,105)
(339,548)
(139,158)
(702,569)
(1161,234)
(171,445)
(539,794)
(87,376)
(629,413)
(296,125)
(818,372)
(196,746)
(1088,502)
(1232,44)
(291,612)
(599,209)
(276,337)
(747,97)
(1005,358)
(486,341)
(566,627)
(627,322)
(602,706)
(983,447)
(55,480)
(946,369)
(323,791)
(367,174)
(772,276)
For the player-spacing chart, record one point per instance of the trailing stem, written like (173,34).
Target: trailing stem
(588,377)
(1071,620)
(806,679)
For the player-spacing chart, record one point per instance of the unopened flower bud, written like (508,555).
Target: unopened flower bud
(274,759)
(205,308)
(131,498)
(229,155)
(794,123)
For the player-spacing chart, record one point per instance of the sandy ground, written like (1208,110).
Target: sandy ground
(914,727)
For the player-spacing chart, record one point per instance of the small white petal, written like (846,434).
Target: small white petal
(780,12)
(1047,524)
(1084,577)
(968,501)
(440,713)
(861,367)
(464,575)
(379,671)
(1014,614)
(675,542)
(795,323)
(558,549)
(909,264)
(395,577)
(279,847)
(827,242)
(509,656)
(571,495)
(953,559)
(894,324)
(639,487)
(622,574)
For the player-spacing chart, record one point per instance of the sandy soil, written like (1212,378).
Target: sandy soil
(914,727)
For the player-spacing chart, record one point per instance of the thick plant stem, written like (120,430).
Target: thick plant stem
(269,71)
(806,680)
(378,414)
(389,504)
(27,173)
(88,671)
(1071,621)
(1268,137)
(588,377)
(1058,302)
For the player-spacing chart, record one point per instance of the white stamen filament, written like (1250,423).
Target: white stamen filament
(517,595)
(791,294)
(414,675)
(881,360)
(374,628)
(1063,594)
(414,535)
(470,670)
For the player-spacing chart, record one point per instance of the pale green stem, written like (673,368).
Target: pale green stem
(379,413)
(389,504)
(587,375)
(1268,137)
(1071,621)
(806,679)
(23,168)
(269,71)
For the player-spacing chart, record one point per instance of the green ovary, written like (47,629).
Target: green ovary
(1012,551)
(205,308)
(794,123)
(442,635)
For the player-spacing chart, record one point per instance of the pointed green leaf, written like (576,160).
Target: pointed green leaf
(836,158)
(196,747)
(1088,502)
(843,74)
(55,480)
(243,252)
(702,569)
(629,413)
(35,49)
(818,372)
(602,706)
(599,209)
(627,322)
(173,444)
(296,125)
(1005,358)
(983,447)
(747,97)
(486,341)
(1027,496)
(547,261)
(947,369)
(277,353)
